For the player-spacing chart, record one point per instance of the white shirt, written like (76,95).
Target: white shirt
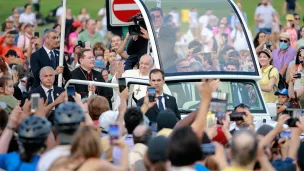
(175,17)
(48,158)
(46,91)
(27,18)
(162,100)
(104,19)
(240,42)
(208,34)
(265,12)
(48,52)
(59,12)
(203,20)
(35,1)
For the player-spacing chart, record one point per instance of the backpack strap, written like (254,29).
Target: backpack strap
(269,73)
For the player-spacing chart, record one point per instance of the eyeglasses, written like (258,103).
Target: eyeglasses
(285,41)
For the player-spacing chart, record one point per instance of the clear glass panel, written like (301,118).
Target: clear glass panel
(187,95)
(200,36)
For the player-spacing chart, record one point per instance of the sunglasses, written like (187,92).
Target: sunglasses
(297,18)
(185,67)
(285,41)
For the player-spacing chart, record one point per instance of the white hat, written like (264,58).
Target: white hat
(106,119)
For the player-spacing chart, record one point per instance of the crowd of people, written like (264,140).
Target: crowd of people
(94,129)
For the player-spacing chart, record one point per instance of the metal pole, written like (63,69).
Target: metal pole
(63,18)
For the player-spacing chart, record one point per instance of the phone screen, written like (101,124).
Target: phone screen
(208,149)
(285,134)
(71,90)
(35,101)
(152,94)
(113,132)
(122,84)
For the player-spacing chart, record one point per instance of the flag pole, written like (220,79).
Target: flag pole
(62,36)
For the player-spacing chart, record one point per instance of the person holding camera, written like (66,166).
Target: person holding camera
(48,56)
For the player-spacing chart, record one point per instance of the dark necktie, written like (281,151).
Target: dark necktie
(160,104)
(50,99)
(53,59)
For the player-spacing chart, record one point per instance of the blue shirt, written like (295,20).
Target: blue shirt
(200,167)
(279,163)
(12,162)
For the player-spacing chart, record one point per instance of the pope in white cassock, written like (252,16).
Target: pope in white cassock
(145,65)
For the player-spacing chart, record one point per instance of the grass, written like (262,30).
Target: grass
(93,7)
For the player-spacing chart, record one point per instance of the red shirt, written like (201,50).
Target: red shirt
(4,48)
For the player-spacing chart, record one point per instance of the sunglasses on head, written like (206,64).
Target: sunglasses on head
(285,41)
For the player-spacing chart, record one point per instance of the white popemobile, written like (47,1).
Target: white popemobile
(227,53)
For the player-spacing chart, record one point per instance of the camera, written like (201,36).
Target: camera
(138,22)
(237,116)
(81,44)
(268,45)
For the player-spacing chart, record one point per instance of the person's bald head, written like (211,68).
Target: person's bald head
(145,64)
(244,148)
(142,134)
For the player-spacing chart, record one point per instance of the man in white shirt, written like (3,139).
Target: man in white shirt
(204,20)
(28,16)
(174,13)
(264,16)
(145,65)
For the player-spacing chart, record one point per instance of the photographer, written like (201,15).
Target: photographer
(138,45)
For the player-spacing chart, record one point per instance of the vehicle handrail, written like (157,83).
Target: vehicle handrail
(94,83)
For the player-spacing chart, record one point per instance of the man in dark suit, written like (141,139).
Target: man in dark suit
(164,101)
(46,89)
(166,38)
(85,72)
(48,56)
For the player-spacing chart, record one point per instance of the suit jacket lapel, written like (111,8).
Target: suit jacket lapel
(42,93)
(55,94)
(45,54)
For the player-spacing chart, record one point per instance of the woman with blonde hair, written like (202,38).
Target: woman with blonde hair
(86,151)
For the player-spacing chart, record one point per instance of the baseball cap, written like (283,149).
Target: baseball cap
(285,35)
(283,91)
(166,119)
(77,24)
(289,17)
(99,63)
(106,119)
(264,130)
(157,149)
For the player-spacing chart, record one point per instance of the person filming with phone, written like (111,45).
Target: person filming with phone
(156,93)
(242,117)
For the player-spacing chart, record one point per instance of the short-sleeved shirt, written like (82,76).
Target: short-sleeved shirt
(12,162)
(27,18)
(267,74)
(266,12)
(293,36)
(291,4)
(281,59)
(85,37)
